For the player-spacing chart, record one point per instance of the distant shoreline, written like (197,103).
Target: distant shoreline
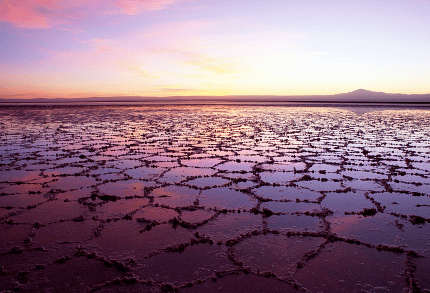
(216,100)
(359,96)
(223,102)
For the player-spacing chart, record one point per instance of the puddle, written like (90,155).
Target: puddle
(13,236)
(421,273)
(229,226)
(179,174)
(64,232)
(86,272)
(124,188)
(145,172)
(226,198)
(50,212)
(290,207)
(116,208)
(246,283)
(405,204)
(157,214)
(346,202)
(196,216)
(234,166)
(22,200)
(134,243)
(287,193)
(279,177)
(274,253)
(201,163)
(342,267)
(290,223)
(175,196)
(198,261)
(207,182)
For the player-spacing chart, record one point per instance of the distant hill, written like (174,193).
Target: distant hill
(357,96)
(369,96)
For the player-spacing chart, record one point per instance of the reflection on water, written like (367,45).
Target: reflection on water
(329,198)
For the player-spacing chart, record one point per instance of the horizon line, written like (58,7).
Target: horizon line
(356,96)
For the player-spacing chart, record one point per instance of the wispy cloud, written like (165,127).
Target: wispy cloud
(133,7)
(136,69)
(171,89)
(182,43)
(214,65)
(43,14)
(199,60)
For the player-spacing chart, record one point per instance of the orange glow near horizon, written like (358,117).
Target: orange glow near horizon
(162,48)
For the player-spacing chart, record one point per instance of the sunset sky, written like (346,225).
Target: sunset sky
(162,48)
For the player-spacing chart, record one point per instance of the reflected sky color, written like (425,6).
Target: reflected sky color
(205,47)
(319,197)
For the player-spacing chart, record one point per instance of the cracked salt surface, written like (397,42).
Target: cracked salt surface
(214,198)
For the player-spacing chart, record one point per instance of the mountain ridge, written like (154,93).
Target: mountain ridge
(356,96)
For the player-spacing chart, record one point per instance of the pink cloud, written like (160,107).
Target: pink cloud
(48,13)
(22,15)
(133,7)
(40,13)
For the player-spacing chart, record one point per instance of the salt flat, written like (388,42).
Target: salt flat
(206,198)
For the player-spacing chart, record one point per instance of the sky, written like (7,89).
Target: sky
(157,48)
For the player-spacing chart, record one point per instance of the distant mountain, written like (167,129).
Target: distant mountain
(369,96)
(363,92)
(366,96)
(357,96)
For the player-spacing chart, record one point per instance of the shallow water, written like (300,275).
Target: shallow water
(196,198)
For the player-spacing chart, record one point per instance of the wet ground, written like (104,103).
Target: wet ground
(214,199)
